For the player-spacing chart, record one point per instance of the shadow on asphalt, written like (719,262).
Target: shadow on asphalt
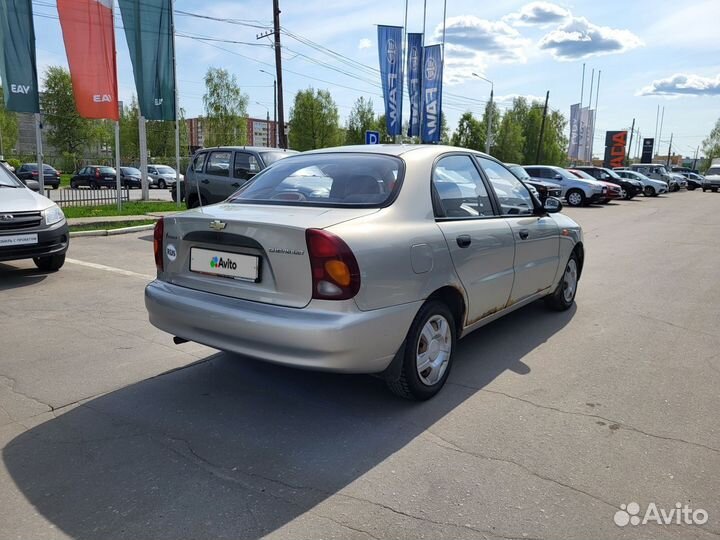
(234,448)
(12,277)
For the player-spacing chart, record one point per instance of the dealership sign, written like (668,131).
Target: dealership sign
(647,150)
(615,143)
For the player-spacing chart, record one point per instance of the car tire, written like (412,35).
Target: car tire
(434,322)
(564,294)
(575,198)
(73,185)
(93,184)
(51,263)
(714,190)
(649,191)
(161,184)
(192,201)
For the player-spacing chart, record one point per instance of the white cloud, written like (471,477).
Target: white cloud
(579,38)
(538,13)
(681,84)
(364,43)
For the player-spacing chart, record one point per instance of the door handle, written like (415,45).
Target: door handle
(206,181)
(464,240)
(524,233)
(235,185)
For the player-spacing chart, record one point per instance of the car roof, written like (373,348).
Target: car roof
(251,148)
(397,149)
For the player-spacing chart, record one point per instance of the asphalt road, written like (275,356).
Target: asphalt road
(548,424)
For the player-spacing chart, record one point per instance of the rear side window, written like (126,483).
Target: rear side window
(713,171)
(199,162)
(512,194)
(246,165)
(337,179)
(219,163)
(460,190)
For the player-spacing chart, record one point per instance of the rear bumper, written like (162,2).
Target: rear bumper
(314,337)
(51,241)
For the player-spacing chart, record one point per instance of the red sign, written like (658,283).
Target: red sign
(615,143)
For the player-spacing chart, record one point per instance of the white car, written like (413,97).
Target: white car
(651,188)
(712,179)
(161,176)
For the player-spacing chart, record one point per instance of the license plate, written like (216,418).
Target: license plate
(18,240)
(222,263)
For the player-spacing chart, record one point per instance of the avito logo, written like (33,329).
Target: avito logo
(219,262)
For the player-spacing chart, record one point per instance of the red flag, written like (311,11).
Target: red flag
(89,35)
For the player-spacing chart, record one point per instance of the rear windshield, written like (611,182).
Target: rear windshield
(271,157)
(130,171)
(520,173)
(165,170)
(107,170)
(338,179)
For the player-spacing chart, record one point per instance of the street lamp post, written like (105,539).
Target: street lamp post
(489,115)
(267,133)
(275,141)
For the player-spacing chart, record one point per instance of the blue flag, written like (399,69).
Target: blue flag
(414,61)
(432,93)
(390,51)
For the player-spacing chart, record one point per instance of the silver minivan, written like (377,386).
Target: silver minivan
(656,171)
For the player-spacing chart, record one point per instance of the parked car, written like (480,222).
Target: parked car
(656,171)
(95,177)
(651,188)
(629,188)
(305,281)
(31,225)
(29,171)
(542,188)
(130,177)
(694,180)
(576,191)
(614,191)
(712,179)
(680,180)
(216,173)
(161,176)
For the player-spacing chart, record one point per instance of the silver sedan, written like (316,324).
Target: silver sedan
(363,259)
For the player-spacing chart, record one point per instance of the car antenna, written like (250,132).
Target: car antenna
(197,185)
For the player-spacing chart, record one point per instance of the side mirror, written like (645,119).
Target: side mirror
(552,205)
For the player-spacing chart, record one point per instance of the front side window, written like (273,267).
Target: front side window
(219,163)
(512,194)
(332,180)
(460,189)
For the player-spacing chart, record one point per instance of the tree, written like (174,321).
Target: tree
(161,137)
(361,119)
(711,145)
(225,105)
(130,132)
(8,127)
(469,133)
(444,131)
(510,140)
(66,130)
(314,120)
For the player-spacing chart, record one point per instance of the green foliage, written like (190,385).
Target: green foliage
(225,104)
(66,130)
(130,132)
(711,145)
(14,162)
(314,121)
(509,139)
(8,128)
(361,119)
(469,133)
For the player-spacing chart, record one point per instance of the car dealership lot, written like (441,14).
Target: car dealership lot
(550,421)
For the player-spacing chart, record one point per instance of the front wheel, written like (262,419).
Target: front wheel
(161,184)
(52,263)
(575,198)
(428,353)
(648,191)
(564,295)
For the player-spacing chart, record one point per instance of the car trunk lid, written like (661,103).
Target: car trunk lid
(236,239)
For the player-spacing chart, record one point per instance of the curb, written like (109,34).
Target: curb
(112,232)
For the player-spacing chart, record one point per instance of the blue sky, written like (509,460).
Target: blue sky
(650,52)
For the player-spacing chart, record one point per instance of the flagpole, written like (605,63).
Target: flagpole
(118,181)
(422,67)
(582,92)
(142,135)
(403,66)
(39,150)
(590,119)
(177,108)
(597,95)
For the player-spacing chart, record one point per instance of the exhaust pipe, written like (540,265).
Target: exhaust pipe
(179,341)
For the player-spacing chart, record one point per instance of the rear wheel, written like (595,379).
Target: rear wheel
(564,295)
(161,184)
(52,263)
(93,184)
(193,201)
(575,197)
(714,190)
(73,184)
(649,191)
(428,353)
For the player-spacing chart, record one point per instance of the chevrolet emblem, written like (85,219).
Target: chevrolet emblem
(218,225)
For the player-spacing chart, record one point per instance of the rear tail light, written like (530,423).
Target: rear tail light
(335,271)
(34,173)
(158,235)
